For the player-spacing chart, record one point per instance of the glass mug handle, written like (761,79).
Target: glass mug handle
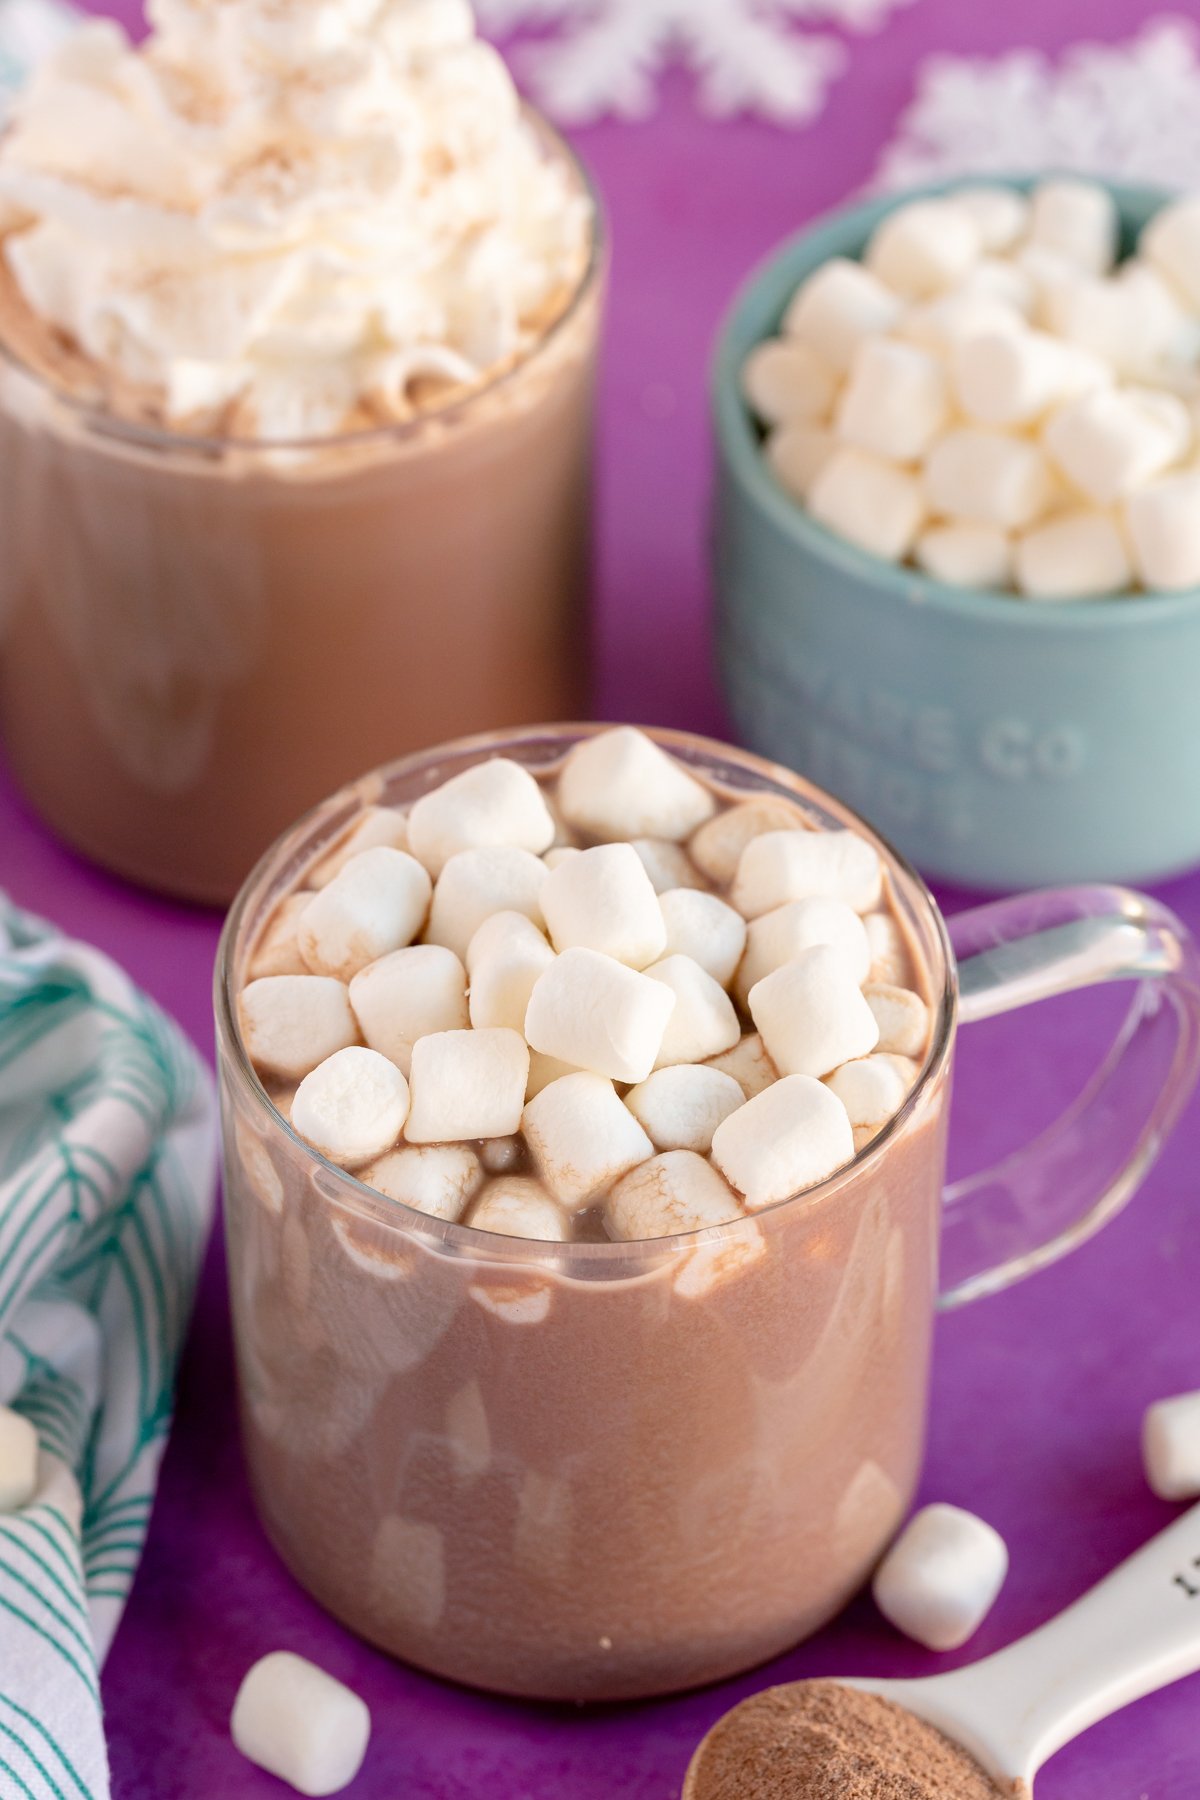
(1054,1193)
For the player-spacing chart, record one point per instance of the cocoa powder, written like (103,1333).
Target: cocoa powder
(817,1740)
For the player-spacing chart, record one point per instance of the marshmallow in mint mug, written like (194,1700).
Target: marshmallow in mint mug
(1000,742)
(596,1470)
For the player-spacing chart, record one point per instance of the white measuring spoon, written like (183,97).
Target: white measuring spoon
(1137,1630)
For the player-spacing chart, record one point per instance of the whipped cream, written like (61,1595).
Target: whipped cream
(282,217)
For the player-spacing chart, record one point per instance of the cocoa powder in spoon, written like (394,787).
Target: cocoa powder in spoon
(817,1740)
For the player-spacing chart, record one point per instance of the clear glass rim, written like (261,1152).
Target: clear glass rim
(161,438)
(468,1239)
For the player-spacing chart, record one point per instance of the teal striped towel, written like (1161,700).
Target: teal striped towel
(107,1166)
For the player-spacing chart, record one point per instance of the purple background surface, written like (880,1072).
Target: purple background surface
(1038,1393)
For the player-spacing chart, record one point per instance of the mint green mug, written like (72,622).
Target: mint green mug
(999,742)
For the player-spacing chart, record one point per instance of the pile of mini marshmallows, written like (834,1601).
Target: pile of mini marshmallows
(987,395)
(583,1027)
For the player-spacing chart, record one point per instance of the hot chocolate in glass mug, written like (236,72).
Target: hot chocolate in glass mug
(604,1470)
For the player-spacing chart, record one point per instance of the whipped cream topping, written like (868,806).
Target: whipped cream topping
(284,217)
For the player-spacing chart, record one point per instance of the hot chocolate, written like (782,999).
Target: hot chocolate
(580,1469)
(295,420)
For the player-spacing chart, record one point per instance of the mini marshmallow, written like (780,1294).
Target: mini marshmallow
(895,401)
(491,804)
(924,247)
(18,1460)
(811,1014)
(868,502)
(1045,270)
(796,454)
(778,937)
(839,305)
(405,996)
(902,1018)
(706,929)
(352,1107)
(619,784)
(277,951)
(1171,1447)
(1171,241)
(298,1723)
(965,555)
(784,381)
(682,1106)
(787,1138)
(940,1579)
(711,1265)
(1000,278)
(1134,322)
(377,902)
(505,957)
(604,900)
(582,1137)
(559,854)
(872,1089)
(940,325)
(780,866)
(515,1206)
(668,865)
(748,1063)
(717,847)
(1111,442)
(374,826)
(1163,520)
(476,883)
(543,1070)
(672,1193)
(703,1022)
(437,1179)
(1001,214)
(595,1014)
(1071,556)
(989,478)
(290,1023)
(467,1084)
(500,1156)
(1015,377)
(891,964)
(1077,220)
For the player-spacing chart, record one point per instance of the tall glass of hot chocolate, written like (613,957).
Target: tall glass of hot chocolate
(298,319)
(584,1100)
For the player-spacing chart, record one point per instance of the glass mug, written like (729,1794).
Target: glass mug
(602,1471)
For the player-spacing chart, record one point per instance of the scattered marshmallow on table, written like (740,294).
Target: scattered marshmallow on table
(1072,556)
(474,884)
(620,784)
(505,958)
(966,555)
(869,502)
(779,866)
(791,1135)
(352,1107)
(703,1022)
(785,381)
(298,1723)
(604,900)
(839,305)
(901,1016)
(375,903)
(1171,1447)
(924,246)
(941,1577)
(681,1106)
(467,1084)
(895,401)
(18,1460)
(777,937)
(290,1023)
(675,1192)
(492,803)
(705,928)
(582,1137)
(595,1014)
(1164,532)
(515,1206)
(812,1014)
(438,1179)
(406,995)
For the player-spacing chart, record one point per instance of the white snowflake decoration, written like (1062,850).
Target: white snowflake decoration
(1129,109)
(606,56)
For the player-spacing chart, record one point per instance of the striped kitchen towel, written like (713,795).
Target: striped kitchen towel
(107,1165)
